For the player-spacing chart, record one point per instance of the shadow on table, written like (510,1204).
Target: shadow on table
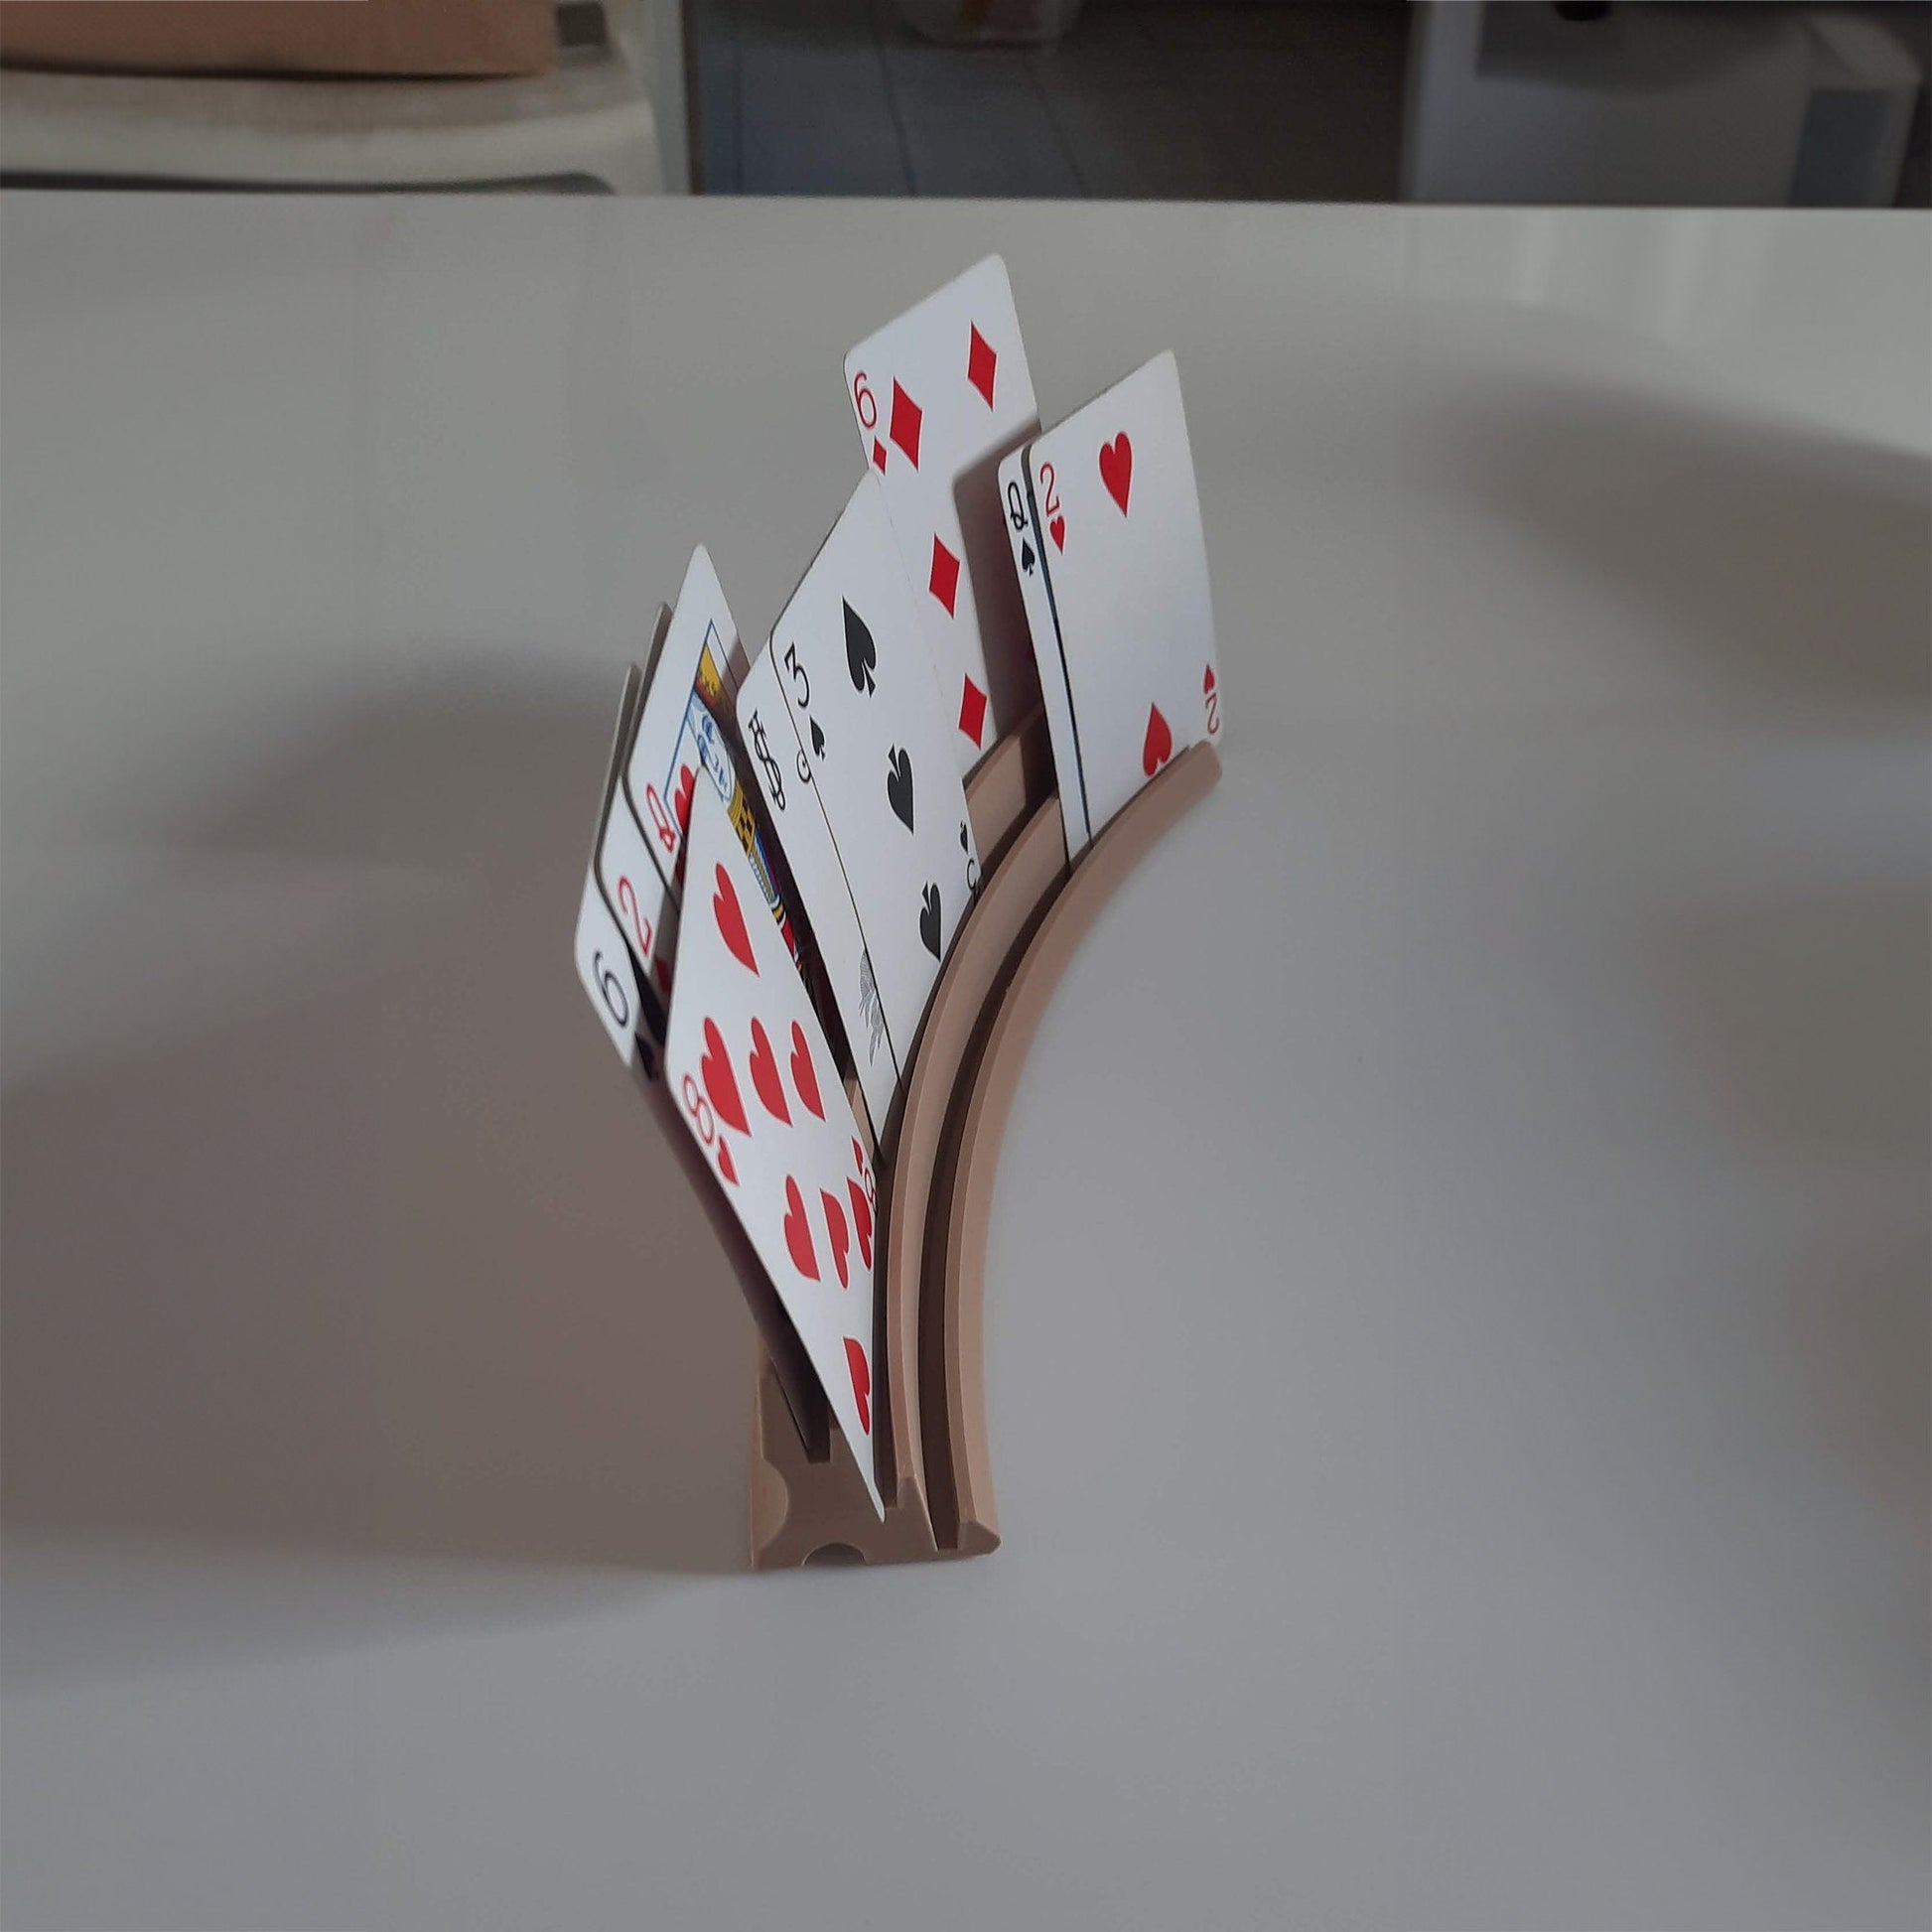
(1808,1017)
(1797,562)
(395,1263)
(1807,1022)
(1797,568)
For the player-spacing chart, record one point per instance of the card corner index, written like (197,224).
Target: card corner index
(604,966)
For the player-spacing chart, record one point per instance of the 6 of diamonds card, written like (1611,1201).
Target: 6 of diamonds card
(753,1078)
(939,396)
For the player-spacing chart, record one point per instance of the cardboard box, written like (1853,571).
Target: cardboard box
(394,38)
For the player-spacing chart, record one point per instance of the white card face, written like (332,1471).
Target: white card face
(1113,489)
(604,965)
(604,961)
(690,687)
(784,778)
(707,762)
(939,396)
(755,1080)
(869,725)
(1022,532)
(636,893)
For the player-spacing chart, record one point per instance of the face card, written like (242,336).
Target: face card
(939,396)
(755,1079)
(1030,567)
(784,775)
(847,659)
(705,759)
(1113,492)
(677,733)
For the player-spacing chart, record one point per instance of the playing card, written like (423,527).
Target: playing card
(783,777)
(755,1079)
(939,396)
(638,894)
(604,965)
(1113,492)
(677,735)
(700,746)
(625,1005)
(848,662)
(731,793)
(1030,568)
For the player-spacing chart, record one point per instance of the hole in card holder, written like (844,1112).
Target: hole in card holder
(835,1555)
(939,1156)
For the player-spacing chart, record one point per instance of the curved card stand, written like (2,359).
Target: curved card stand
(938,1160)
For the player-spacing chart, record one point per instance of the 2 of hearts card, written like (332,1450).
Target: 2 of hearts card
(1106,538)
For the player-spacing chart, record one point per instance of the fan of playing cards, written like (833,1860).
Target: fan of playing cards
(786,853)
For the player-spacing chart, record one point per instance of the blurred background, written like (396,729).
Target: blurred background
(1634,102)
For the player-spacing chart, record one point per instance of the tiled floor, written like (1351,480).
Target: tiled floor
(1288,102)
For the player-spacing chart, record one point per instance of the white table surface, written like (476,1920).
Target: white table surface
(1458,1282)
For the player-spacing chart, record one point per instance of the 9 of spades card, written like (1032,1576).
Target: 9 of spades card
(940,395)
(1126,570)
(753,1078)
(872,723)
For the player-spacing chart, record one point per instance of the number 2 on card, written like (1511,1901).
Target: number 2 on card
(628,899)
(1051,484)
